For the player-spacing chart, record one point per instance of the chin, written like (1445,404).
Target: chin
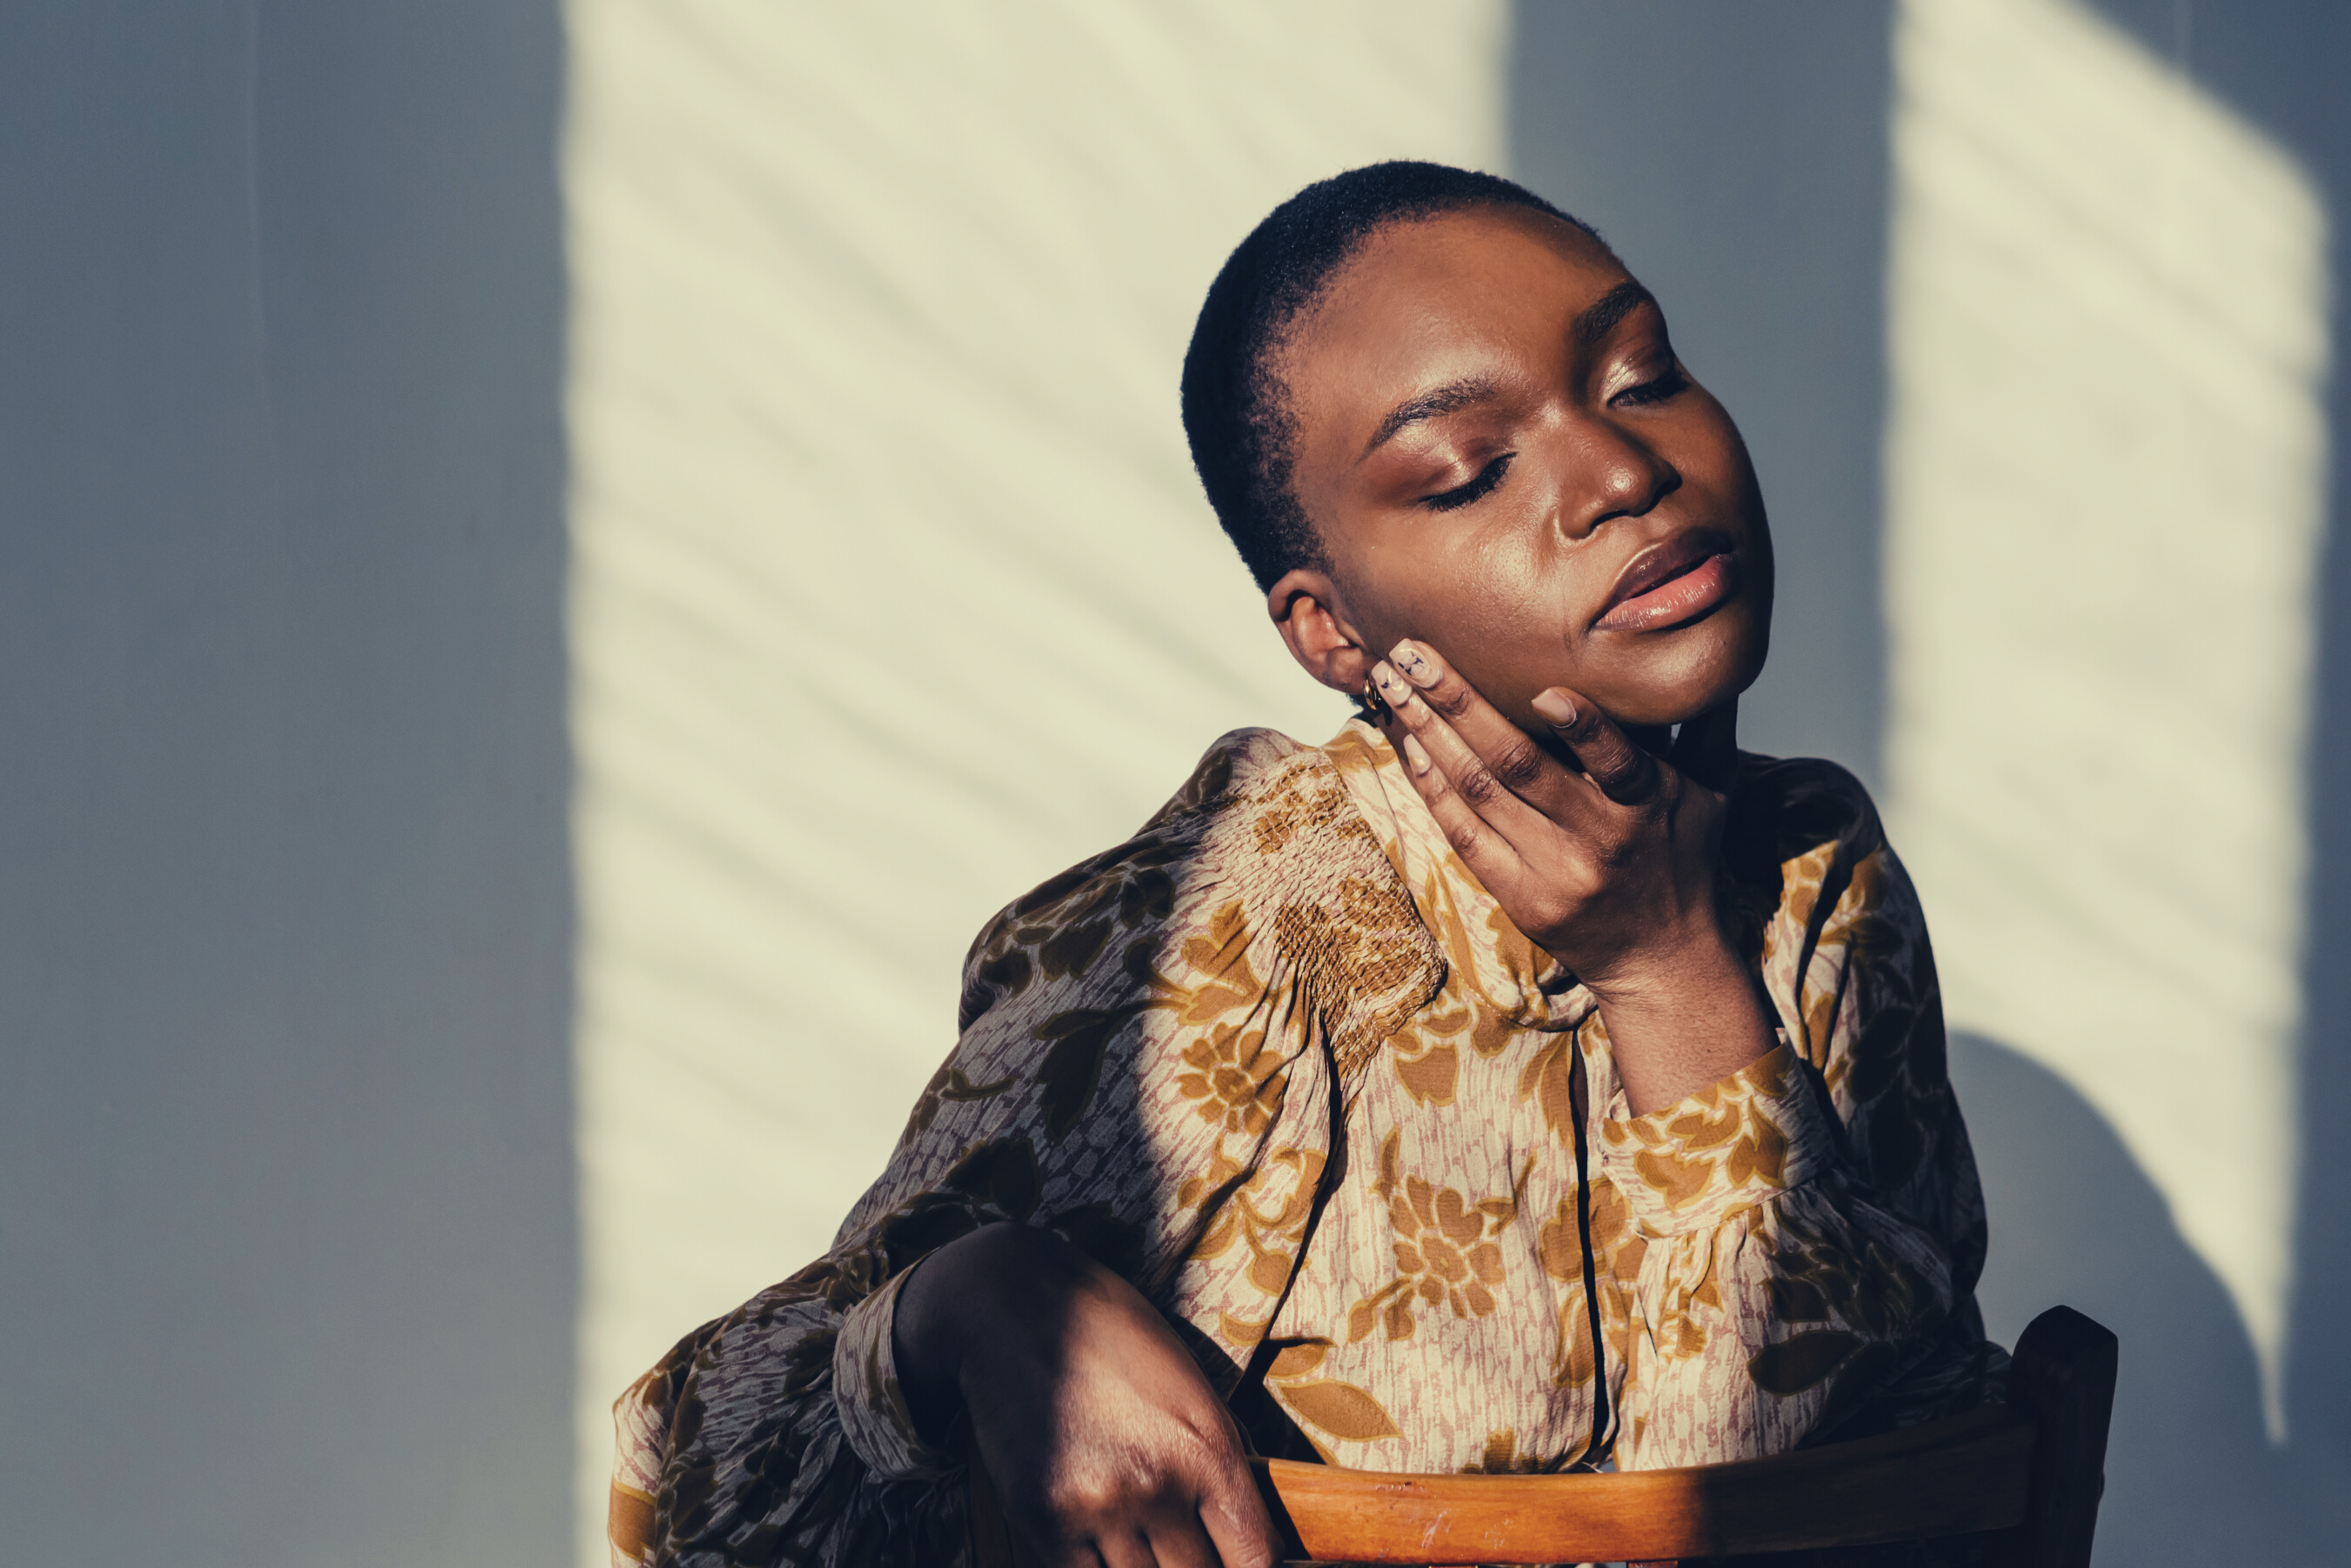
(1689,671)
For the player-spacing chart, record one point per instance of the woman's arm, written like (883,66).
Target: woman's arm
(1097,1428)
(1800,1275)
(1053,1159)
(1786,1272)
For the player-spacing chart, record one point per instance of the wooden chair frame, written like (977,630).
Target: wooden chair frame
(2027,1474)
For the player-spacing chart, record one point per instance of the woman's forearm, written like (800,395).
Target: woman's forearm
(1692,1018)
(968,1294)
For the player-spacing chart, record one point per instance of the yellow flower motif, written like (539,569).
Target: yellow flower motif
(1443,1251)
(1237,1080)
(1441,1245)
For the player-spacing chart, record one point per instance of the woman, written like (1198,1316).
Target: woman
(1522,1079)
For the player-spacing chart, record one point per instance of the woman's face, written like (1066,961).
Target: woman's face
(1503,459)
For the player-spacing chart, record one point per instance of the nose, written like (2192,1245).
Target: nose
(1610,473)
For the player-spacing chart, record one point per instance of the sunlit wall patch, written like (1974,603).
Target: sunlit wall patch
(894,591)
(2107,464)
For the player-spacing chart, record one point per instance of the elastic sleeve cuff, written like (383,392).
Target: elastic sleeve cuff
(1736,1143)
(874,1417)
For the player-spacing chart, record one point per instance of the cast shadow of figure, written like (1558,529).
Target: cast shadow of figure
(2211,1483)
(2190,1476)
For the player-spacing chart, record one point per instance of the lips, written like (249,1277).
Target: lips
(1671,581)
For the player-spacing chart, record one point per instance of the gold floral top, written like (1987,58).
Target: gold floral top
(1281,1061)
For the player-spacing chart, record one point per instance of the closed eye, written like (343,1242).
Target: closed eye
(1657,391)
(1488,477)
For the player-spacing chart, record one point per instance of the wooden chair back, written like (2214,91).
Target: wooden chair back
(2027,1473)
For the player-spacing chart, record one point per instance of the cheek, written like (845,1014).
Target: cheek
(1712,459)
(1447,580)
(1506,608)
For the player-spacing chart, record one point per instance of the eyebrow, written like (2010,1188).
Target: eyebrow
(1611,307)
(1592,324)
(1441,400)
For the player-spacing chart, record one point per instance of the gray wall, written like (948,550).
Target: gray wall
(1737,156)
(286,1192)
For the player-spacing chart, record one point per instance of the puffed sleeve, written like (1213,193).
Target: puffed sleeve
(1142,1039)
(1810,1226)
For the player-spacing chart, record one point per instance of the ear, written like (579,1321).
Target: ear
(1307,611)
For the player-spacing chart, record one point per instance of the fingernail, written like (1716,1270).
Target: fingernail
(1555,709)
(1415,755)
(1390,684)
(1419,668)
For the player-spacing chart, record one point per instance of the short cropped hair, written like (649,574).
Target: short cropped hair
(1236,411)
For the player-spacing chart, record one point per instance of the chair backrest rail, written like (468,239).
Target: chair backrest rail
(2024,1477)
(1967,1474)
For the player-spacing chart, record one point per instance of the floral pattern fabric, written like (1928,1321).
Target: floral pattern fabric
(1281,1061)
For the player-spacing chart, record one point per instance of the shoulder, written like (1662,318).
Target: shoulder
(1262,851)
(1246,777)
(1262,815)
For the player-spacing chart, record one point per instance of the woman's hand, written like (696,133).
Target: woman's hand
(1611,869)
(1105,1443)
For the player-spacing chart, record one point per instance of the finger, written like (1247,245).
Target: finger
(1486,851)
(1625,774)
(1484,789)
(1184,1544)
(1708,747)
(1126,1549)
(1238,1525)
(1501,748)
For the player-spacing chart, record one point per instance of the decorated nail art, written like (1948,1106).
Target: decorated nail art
(1419,668)
(1416,754)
